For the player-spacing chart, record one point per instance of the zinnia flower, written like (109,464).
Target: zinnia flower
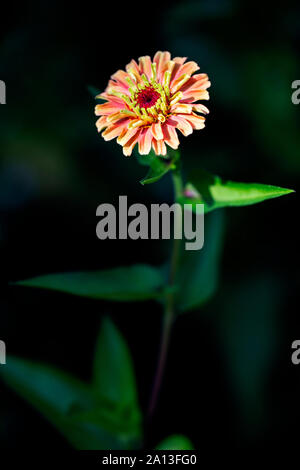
(148,102)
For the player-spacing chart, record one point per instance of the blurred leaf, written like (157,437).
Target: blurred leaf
(114,378)
(159,166)
(248,330)
(93,91)
(50,387)
(175,442)
(215,193)
(97,417)
(112,430)
(145,160)
(157,170)
(132,283)
(54,394)
(200,269)
(114,385)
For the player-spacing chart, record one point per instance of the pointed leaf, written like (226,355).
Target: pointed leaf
(159,166)
(70,405)
(53,388)
(114,377)
(132,283)
(215,193)
(54,394)
(93,91)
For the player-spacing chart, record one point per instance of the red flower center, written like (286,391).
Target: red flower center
(147,98)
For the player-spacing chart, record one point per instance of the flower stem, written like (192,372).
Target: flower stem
(169,305)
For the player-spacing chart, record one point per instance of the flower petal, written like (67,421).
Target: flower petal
(101,123)
(179,82)
(188,68)
(200,108)
(197,82)
(128,147)
(156,131)
(133,68)
(197,122)
(179,60)
(120,77)
(145,66)
(159,147)
(114,130)
(182,124)
(161,59)
(163,148)
(123,113)
(113,98)
(170,136)
(155,146)
(190,96)
(182,108)
(145,141)
(107,108)
(126,136)
(116,87)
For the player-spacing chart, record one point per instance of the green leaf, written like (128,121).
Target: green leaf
(93,91)
(56,395)
(52,388)
(158,166)
(215,193)
(104,415)
(114,378)
(115,387)
(175,442)
(107,429)
(200,269)
(145,160)
(157,170)
(132,283)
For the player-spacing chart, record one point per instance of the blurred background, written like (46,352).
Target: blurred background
(230,382)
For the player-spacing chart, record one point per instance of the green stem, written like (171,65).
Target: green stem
(169,306)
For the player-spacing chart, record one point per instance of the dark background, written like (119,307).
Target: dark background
(230,382)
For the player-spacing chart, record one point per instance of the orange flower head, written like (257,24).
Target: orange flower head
(147,103)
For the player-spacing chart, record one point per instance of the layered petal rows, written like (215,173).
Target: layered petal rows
(148,102)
